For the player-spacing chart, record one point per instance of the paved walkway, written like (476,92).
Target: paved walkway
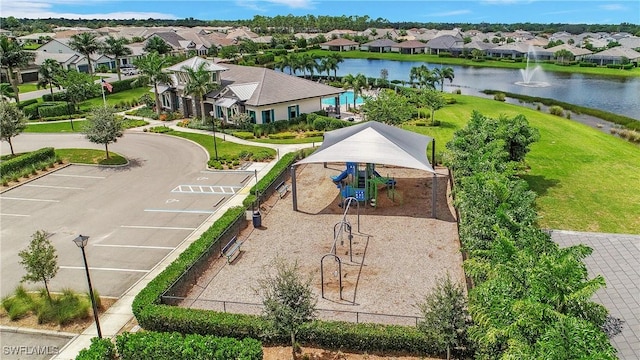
(617,258)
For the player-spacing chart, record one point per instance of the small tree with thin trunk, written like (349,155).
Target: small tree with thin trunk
(288,299)
(12,122)
(444,316)
(39,260)
(103,127)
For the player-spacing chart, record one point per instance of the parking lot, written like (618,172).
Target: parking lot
(134,216)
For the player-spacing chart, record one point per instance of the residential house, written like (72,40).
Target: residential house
(615,55)
(578,53)
(380,45)
(340,45)
(409,47)
(632,42)
(445,44)
(80,63)
(265,95)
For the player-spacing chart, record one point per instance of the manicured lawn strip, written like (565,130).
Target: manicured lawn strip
(225,148)
(114,99)
(90,156)
(434,59)
(27,87)
(314,139)
(55,127)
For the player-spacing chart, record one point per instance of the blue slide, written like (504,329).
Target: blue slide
(341,176)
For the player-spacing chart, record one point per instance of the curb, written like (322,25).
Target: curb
(31,331)
(35,178)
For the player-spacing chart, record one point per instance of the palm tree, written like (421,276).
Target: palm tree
(6,92)
(48,75)
(424,76)
(199,84)
(443,73)
(150,68)
(116,48)
(157,44)
(285,61)
(85,43)
(12,56)
(357,83)
(335,62)
(307,62)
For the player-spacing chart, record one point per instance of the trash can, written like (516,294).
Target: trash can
(257,219)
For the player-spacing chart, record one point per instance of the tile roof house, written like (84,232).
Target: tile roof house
(265,95)
(340,45)
(615,55)
(409,47)
(445,43)
(380,45)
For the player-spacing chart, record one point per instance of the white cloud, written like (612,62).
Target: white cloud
(295,4)
(40,9)
(452,13)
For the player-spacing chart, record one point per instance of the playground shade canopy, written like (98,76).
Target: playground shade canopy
(376,143)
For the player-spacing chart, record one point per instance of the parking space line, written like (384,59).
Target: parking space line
(18,215)
(181,211)
(103,269)
(156,227)
(54,187)
(79,176)
(27,199)
(137,246)
(206,189)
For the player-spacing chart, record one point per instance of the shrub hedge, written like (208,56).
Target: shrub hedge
(54,109)
(27,160)
(154,316)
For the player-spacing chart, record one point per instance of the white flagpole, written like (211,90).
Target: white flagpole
(104,98)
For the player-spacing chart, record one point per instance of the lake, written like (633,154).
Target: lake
(612,94)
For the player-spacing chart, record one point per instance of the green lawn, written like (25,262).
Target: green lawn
(225,148)
(114,99)
(55,127)
(586,180)
(90,156)
(27,87)
(435,59)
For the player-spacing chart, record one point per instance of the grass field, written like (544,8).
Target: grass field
(225,148)
(90,156)
(114,99)
(435,59)
(586,180)
(55,127)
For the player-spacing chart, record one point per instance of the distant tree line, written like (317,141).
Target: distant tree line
(283,24)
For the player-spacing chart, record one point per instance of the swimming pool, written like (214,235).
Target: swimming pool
(346,98)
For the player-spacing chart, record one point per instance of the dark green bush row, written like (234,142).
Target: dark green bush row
(59,96)
(24,103)
(518,307)
(625,121)
(154,316)
(171,346)
(123,85)
(27,160)
(55,109)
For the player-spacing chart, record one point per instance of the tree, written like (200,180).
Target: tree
(12,122)
(422,76)
(288,300)
(356,83)
(150,68)
(444,316)
(440,74)
(116,48)
(199,83)
(158,45)
(6,92)
(563,56)
(39,260)
(12,56)
(77,87)
(433,100)
(86,44)
(103,127)
(389,108)
(49,74)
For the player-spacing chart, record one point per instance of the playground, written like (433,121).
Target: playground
(377,262)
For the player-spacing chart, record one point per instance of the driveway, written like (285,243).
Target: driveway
(134,215)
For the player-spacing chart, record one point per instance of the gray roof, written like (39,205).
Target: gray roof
(445,42)
(616,53)
(411,44)
(272,87)
(376,143)
(381,43)
(194,63)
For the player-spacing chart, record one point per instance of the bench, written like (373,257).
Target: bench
(232,248)
(282,189)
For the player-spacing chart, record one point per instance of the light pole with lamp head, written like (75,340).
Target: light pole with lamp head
(81,242)
(213,126)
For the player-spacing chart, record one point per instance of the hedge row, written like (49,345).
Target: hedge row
(532,299)
(625,121)
(154,316)
(27,160)
(171,346)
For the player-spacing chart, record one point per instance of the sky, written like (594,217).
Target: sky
(490,11)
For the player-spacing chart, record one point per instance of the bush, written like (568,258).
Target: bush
(556,110)
(53,109)
(243,135)
(60,96)
(499,96)
(321,123)
(27,161)
(100,349)
(24,103)
(284,135)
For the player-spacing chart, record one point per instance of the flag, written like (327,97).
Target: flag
(107,85)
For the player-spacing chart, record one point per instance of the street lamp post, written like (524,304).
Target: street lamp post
(81,242)
(213,126)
